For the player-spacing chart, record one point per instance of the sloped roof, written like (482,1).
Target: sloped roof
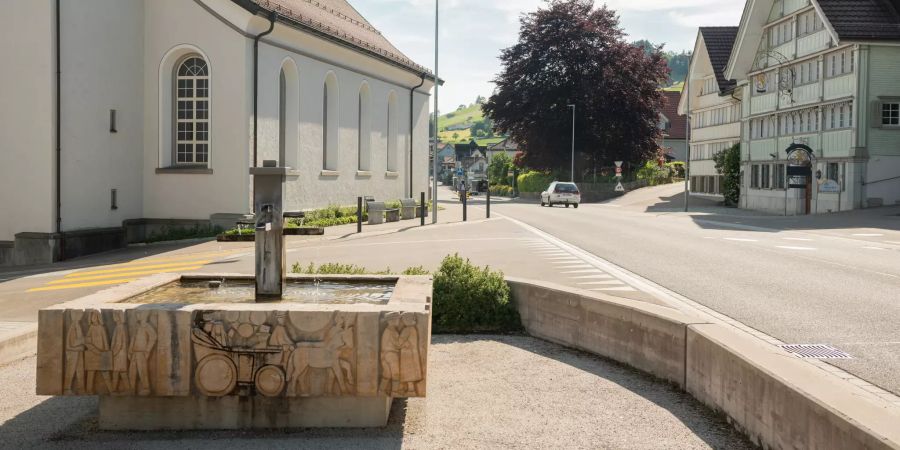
(506,144)
(719,42)
(863,19)
(337,20)
(670,110)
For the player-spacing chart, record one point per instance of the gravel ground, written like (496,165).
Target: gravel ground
(483,392)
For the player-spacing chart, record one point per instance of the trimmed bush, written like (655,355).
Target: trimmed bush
(501,190)
(417,270)
(468,299)
(533,181)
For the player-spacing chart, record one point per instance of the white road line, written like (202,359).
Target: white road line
(618,288)
(568,261)
(788,247)
(867,234)
(602,282)
(587,277)
(575,266)
(563,258)
(797,239)
(874,248)
(741,239)
(584,271)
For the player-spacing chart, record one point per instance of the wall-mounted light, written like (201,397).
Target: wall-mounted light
(113,199)
(112,121)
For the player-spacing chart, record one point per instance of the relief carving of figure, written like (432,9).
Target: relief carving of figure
(344,328)
(74,354)
(97,358)
(119,347)
(280,339)
(318,355)
(390,355)
(410,362)
(142,343)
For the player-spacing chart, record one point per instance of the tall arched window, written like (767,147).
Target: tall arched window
(282,118)
(191,111)
(364,130)
(330,123)
(392,126)
(289,114)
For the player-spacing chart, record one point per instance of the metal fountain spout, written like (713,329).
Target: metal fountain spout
(268,194)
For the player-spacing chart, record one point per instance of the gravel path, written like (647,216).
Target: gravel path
(483,392)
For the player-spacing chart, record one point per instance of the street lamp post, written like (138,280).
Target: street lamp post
(434,182)
(573,142)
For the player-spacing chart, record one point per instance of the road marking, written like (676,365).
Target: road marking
(892,242)
(874,248)
(78,285)
(586,277)
(563,258)
(741,239)
(120,268)
(575,266)
(123,274)
(797,239)
(619,288)
(570,261)
(867,234)
(788,247)
(584,271)
(601,282)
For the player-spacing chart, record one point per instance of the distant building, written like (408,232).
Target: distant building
(672,124)
(507,146)
(715,113)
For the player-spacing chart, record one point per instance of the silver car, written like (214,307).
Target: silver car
(561,193)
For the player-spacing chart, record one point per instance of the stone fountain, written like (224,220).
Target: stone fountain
(228,351)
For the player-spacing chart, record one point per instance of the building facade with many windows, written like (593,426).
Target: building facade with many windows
(715,112)
(156,107)
(821,73)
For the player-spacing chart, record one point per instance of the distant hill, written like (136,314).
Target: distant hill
(455,127)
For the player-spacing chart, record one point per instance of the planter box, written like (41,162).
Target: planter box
(306,231)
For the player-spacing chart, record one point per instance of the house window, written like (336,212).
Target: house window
(840,63)
(766,180)
(325,126)
(832,172)
(192,111)
(779,176)
(890,114)
(754,176)
(282,119)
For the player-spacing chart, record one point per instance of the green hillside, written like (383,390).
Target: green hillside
(465,116)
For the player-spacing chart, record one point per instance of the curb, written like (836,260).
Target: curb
(18,342)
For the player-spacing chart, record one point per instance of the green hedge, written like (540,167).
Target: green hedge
(533,181)
(468,299)
(501,190)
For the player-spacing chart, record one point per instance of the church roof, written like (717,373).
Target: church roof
(863,19)
(719,41)
(336,20)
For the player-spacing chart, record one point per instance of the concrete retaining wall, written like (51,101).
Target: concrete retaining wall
(779,401)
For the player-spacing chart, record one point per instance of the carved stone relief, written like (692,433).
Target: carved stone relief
(401,356)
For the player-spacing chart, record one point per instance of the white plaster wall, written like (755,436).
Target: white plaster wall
(100,73)
(170,25)
(27,147)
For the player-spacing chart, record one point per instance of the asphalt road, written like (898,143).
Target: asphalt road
(837,281)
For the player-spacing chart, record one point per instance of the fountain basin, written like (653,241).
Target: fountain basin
(163,353)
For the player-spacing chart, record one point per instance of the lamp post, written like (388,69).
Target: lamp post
(434,182)
(573,142)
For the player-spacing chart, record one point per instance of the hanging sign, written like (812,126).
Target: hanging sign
(799,167)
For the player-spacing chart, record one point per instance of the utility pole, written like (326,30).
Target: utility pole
(437,82)
(687,135)
(573,142)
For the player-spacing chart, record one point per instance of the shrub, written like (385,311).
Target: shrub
(468,299)
(179,233)
(330,269)
(533,181)
(417,270)
(503,191)
(728,163)
(654,174)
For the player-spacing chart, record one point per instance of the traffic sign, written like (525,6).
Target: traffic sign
(618,171)
(459,172)
(619,187)
(618,163)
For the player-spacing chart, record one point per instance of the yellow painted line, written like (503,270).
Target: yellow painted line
(124,274)
(78,285)
(120,269)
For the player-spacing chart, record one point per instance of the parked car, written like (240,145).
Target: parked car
(561,193)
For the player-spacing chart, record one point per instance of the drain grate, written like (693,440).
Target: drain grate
(816,351)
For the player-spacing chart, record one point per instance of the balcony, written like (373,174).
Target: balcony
(839,87)
(813,43)
(763,103)
(724,131)
(762,149)
(801,95)
(837,143)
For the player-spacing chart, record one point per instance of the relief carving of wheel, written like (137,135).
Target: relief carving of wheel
(270,381)
(215,376)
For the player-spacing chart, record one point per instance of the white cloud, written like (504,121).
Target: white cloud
(474,31)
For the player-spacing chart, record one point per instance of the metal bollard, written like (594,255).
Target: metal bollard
(465,200)
(359,214)
(424,207)
(489,203)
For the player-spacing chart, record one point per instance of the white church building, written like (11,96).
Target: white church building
(118,116)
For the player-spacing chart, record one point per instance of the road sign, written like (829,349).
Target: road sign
(618,171)
(459,172)
(618,163)
(619,187)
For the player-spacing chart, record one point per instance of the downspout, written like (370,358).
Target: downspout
(62,246)
(412,91)
(273,16)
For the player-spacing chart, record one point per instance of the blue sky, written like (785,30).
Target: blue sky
(474,31)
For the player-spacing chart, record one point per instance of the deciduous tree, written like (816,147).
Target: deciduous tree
(573,53)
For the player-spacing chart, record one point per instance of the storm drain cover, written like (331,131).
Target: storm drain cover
(816,351)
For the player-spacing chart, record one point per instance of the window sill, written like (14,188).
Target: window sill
(329,173)
(186,170)
(363,173)
(390,174)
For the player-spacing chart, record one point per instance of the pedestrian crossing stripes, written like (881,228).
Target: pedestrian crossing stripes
(584,275)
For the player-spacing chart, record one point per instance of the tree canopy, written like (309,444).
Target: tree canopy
(573,53)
